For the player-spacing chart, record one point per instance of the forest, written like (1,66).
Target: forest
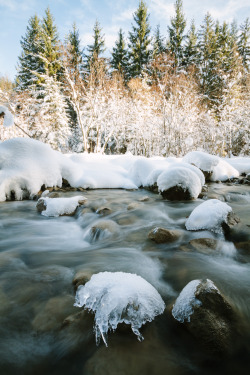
(154,95)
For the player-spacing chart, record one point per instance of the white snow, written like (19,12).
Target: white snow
(241,164)
(8,117)
(209,215)
(118,297)
(202,160)
(180,175)
(221,169)
(186,301)
(27,164)
(61,206)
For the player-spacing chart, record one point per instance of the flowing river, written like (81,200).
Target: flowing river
(39,257)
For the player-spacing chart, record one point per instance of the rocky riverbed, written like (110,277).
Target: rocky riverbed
(43,260)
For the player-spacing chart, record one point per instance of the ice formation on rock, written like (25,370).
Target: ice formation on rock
(118,297)
(61,206)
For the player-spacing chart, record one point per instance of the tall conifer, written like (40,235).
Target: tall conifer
(176,33)
(119,60)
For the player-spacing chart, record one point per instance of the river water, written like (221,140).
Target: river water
(39,257)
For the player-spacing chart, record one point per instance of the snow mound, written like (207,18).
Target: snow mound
(61,206)
(223,171)
(209,215)
(202,160)
(241,164)
(185,177)
(8,117)
(186,301)
(25,165)
(118,297)
(220,169)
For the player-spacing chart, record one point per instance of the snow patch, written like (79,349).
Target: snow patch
(209,215)
(184,305)
(8,117)
(118,297)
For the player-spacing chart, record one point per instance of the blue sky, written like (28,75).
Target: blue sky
(112,15)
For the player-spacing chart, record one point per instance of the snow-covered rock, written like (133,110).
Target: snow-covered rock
(59,206)
(209,215)
(180,182)
(8,117)
(207,315)
(118,297)
(241,164)
(213,167)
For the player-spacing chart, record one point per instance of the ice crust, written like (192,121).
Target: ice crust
(61,206)
(186,301)
(8,117)
(27,164)
(209,215)
(119,297)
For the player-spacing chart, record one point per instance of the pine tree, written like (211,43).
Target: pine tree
(95,50)
(75,54)
(190,50)
(208,60)
(244,43)
(139,41)
(119,60)
(30,65)
(51,54)
(158,43)
(176,33)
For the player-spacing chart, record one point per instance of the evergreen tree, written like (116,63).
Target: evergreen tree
(176,33)
(119,60)
(139,41)
(190,50)
(30,65)
(95,50)
(74,52)
(208,60)
(51,47)
(158,43)
(244,43)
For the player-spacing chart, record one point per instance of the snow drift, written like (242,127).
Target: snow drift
(118,297)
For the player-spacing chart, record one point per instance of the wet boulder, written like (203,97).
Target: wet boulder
(207,315)
(162,235)
(104,211)
(104,228)
(81,278)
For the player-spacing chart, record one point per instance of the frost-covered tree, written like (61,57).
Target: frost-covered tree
(30,65)
(139,41)
(176,33)
(244,43)
(119,59)
(95,50)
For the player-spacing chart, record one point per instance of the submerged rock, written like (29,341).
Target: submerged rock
(104,226)
(207,315)
(133,206)
(104,211)
(162,235)
(204,245)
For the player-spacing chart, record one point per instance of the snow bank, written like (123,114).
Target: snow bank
(220,169)
(118,297)
(208,215)
(186,301)
(8,117)
(25,165)
(241,164)
(61,206)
